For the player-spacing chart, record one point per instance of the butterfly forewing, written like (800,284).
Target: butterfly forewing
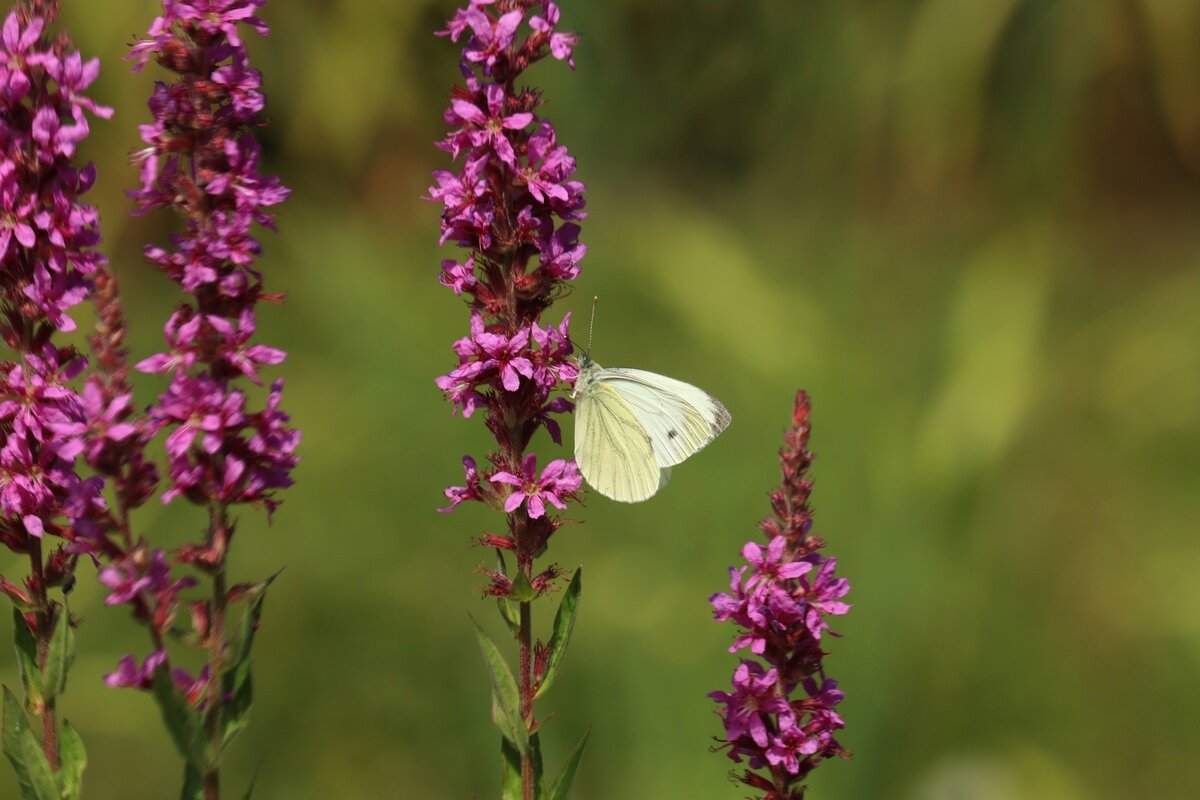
(611,447)
(678,418)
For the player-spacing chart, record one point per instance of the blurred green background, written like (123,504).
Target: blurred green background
(969,229)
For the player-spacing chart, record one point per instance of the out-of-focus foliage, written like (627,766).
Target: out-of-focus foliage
(967,228)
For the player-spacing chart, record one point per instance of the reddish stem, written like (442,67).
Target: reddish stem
(45,630)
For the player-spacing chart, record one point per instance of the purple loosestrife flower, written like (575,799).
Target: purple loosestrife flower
(559,479)
(507,204)
(130,674)
(222,450)
(47,266)
(780,717)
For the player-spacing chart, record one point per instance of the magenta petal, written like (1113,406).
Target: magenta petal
(509,378)
(537,508)
(34,525)
(518,121)
(469,111)
(157,363)
(507,26)
(507,477)
(758,731)
(513,502)
(794,570)
(120,431)
(25,234)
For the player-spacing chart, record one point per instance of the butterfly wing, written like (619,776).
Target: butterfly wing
(612,448)
(678,418)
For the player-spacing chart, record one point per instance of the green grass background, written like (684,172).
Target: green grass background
(968,229)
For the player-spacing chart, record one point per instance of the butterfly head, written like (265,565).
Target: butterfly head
(587,373)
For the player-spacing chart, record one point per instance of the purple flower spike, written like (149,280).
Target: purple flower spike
(48,266)
(780,601)
(219,448)
(512,203)
(225,446)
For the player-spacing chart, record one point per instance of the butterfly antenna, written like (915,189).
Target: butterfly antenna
(592,323)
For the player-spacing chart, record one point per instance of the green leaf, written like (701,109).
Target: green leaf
(510,614)
(27,667)
(508,609)
(505,697)
(510,778)
(59,656)
(564,623)
(250,788)
(535,747)
(193,784)
(522,590)
(511,788)
(73,760)
(561,788)
(237,683)
(183,721)
(34,776)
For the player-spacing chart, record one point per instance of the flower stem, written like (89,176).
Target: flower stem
(526,638)
(45,630)
(218,533)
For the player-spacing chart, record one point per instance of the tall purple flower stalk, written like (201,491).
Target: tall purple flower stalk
(47,260)
(201,160)
(781,714)
(512,205)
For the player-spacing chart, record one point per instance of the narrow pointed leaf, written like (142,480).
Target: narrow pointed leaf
(561,788)
(510,786)
(509,611)
(35,779)
(535,749)
(250,788)
(510,614)
(522,590)
(27,666)
(73,760)
(238,683)
(59,656)
(43,785)
(193,784)
(564,623)
(183,722)
(501,720)
(505,696)
(510,776)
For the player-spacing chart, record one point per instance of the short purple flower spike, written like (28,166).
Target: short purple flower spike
(780,717)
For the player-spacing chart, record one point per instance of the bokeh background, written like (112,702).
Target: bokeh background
(969,229)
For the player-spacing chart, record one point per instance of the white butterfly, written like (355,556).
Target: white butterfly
(632,426)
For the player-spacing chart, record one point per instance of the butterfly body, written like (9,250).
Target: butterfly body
(632,426)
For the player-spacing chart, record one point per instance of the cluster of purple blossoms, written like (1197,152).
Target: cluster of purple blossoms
(781,601)
(201,160)
(511,206)
(47,264)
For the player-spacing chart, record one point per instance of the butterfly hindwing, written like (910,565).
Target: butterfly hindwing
(678,418)
(612,448)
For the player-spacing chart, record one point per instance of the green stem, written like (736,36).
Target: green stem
(526,639)
(218,530)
